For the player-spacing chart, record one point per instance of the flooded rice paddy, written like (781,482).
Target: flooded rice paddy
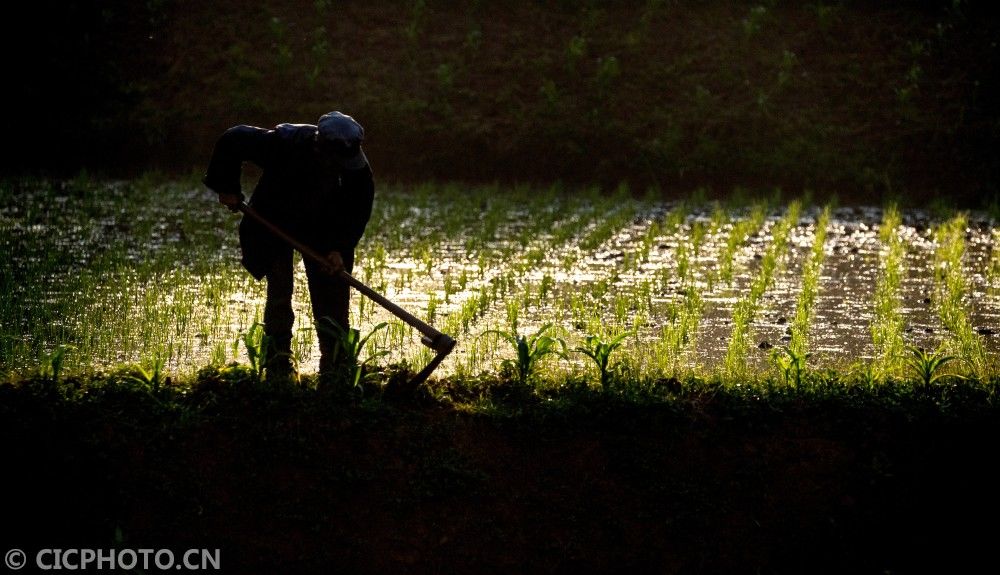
(111,274)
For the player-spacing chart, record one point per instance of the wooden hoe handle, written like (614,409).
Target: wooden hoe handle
(440,342)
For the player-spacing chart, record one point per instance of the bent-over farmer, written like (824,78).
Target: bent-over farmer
(315,184)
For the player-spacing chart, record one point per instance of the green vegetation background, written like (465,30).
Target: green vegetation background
(862,99)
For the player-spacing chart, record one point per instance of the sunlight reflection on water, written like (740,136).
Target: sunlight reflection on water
(153,287)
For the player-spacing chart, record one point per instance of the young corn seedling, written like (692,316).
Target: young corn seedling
(256,343)
(347,350)
(600,351)
(52,367)
(530,350)
(151,376)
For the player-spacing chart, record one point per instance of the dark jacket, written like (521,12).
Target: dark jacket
(327,209)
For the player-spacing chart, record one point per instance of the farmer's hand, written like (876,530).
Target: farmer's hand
(334,263)
(231,201)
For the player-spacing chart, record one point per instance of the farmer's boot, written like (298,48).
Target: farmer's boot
(279,365)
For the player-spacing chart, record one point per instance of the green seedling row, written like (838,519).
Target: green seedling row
(144,276)
(747,307)
(951,294)
(887,325)
(793,358)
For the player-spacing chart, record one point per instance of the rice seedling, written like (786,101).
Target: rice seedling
(219,356)
(887,324)
(798,346)
(682,317)
(741,231)
(745,309)
(927,365)
(951,291)
(432,303)
(678,332)
(791,364)
(604,230)
(994,270)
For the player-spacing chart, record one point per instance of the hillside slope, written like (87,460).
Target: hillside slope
(857,98)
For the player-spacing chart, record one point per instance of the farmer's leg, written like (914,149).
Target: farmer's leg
(331,300)
(278,314)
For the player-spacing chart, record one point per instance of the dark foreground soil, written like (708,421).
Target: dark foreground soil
(295,483)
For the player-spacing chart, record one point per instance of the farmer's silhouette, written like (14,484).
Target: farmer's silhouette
(315,184)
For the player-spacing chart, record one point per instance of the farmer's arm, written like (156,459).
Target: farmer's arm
(355,211)
(237,145)
(360,188)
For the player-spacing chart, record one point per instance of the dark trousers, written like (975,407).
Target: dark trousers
(330,299)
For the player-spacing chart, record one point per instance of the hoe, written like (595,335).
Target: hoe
(441,343)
